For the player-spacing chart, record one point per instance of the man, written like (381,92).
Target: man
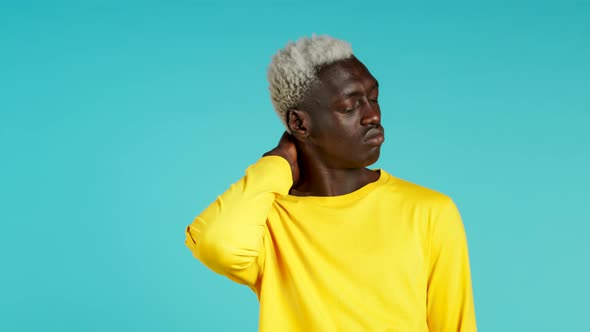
(326,243)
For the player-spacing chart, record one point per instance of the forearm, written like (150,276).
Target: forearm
(228,235)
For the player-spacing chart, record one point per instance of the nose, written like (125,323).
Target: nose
(371,113)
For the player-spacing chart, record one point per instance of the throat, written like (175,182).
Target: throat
(332,182)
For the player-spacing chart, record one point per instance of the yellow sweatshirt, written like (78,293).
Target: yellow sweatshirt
(390,256)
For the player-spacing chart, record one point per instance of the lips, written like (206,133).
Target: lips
(375,136)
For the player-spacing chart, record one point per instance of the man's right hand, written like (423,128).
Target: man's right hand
(288,150)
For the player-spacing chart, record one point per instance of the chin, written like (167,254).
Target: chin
(373,161)
(371,158)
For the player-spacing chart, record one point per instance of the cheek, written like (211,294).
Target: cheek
(341,133)
(350,129)
(336,130)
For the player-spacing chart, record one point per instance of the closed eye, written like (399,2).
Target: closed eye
(357,104)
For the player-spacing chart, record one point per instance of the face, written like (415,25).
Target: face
(344,125)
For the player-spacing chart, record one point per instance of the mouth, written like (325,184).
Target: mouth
(375,136)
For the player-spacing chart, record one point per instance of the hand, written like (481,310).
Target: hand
(288,150)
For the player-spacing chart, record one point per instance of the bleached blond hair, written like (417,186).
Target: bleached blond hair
(293,70)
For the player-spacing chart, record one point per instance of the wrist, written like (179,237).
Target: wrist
(286,157)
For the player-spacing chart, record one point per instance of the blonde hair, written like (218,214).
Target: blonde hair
(293,69)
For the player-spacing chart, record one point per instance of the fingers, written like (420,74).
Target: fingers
(286,138)
(287,149)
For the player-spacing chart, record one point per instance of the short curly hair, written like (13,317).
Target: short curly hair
(293,69)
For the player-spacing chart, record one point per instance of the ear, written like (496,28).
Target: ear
(298,123)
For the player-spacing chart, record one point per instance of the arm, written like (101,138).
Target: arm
(228,236)
(450,295)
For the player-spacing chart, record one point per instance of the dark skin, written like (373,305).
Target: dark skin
(336,132)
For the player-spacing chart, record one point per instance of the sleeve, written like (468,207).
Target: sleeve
(450,296)
(228,236)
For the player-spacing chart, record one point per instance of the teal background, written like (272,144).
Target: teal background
(121,121)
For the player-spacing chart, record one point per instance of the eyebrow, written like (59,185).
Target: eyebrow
(357,92)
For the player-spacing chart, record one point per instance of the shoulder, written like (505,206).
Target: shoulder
(436,210)
(413,193)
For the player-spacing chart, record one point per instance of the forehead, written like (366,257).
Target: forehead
(344,77)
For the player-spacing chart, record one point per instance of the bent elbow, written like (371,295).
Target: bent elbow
(216,251)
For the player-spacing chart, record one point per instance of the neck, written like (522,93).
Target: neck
(318,179)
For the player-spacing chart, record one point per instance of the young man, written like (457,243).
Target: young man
(326,243)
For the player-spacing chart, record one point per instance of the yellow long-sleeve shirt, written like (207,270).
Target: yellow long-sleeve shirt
(390,256)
